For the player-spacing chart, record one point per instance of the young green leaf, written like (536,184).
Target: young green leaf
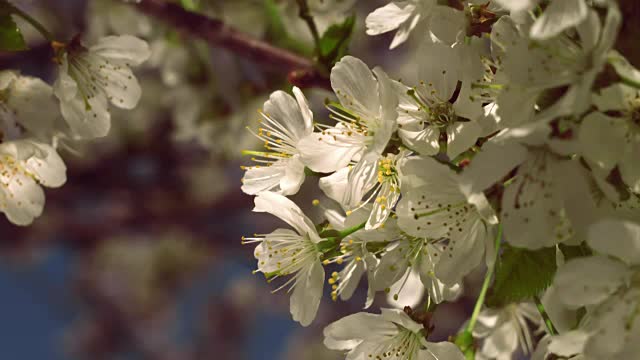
(521,274)
(335,41)
(10,36)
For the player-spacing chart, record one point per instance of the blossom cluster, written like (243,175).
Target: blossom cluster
(518,130)
(38,119)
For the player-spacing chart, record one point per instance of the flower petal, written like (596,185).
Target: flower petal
(388,17)
(589,280)
(616,238)
(124,49)
(602,139)
(559,16)
(287,211)
(307,293)
(356,87)
(461,136)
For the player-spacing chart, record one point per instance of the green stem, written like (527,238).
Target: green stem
(33,22)
(545,316)
(485,286)
(305,15)
(346,232)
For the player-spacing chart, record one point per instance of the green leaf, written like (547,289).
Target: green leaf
(335,41)
(521,274)
(10,36)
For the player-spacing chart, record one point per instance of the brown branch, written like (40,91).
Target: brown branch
(217,33)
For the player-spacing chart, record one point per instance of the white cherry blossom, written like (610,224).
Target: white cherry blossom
(357,259)
(609,141)
(608,284)
(393,334)
(27,107)
(90,78)
(25,166)
(285,121)
(564,60)
(436,205)
(443,22)
(435,106)
(365,119)
(506,330)
(287,252)
(367,183)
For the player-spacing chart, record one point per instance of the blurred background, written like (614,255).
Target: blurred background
(138,255)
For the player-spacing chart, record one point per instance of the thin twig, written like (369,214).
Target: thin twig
(305,15)
(217,33)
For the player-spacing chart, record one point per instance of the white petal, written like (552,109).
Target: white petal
(393,265)
(120,85)
(559,16)
(610,327)
(270,261)
(439,70)
(350,278)
(465,106)
(22,199)
(425,142)
(613,97)
(6,78)
(418,171)
(401,318)
(307,115)
(602,139)
(264,178)
(287,211)
(388,113)
(124,49)
(307,293)
(87,119)
(408,293)
(442,351)
(47,166)
(616,238)
(517,5)
(446,22)
(388,17)
(323,153)
(464,252)
(492,164)
(383,205)
(461,136)
(293,176)
(356,87)
(361,179)
(335,186)
(629,170)
(33,104)
(502,340)
(65,88)
(283,109)
(533,212)
(569,343)
(589,281)
(349,331)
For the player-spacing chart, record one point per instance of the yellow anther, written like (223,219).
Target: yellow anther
(315,202)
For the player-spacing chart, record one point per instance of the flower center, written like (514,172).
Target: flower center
(386,170)
(442,114)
